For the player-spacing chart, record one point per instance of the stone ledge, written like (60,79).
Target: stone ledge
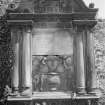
(51,96)
(19,98)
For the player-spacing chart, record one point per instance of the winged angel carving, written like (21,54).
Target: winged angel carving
(8,4)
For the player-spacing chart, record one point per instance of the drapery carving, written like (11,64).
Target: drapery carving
(52,73)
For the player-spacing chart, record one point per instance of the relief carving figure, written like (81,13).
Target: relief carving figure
(50,72)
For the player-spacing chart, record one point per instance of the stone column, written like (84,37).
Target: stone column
(26,62)
(15,72)
(80,68)
(91,63)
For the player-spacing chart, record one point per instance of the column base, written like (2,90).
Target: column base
(27,91)
(96,92)
(81,91)
(15,91)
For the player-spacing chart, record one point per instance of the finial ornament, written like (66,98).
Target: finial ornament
(91,5)
(8,5)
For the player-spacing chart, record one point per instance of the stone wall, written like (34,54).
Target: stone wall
(6,56)
(99,50)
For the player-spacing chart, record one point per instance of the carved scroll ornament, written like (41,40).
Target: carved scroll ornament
(8,5)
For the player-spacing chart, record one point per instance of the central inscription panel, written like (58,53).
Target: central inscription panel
(52,41)
(52,59)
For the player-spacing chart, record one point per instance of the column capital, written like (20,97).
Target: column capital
(84,23)
(20,23)
(27,29)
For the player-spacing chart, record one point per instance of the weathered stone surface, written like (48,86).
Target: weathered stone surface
(99,50)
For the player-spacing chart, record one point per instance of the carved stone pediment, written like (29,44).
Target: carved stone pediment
(47,6)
